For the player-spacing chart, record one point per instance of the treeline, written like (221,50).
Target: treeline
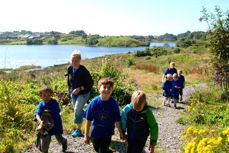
(82,38)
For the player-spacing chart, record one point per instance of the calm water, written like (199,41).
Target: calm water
(13,56)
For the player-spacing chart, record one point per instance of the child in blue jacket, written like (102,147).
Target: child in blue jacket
(176,86)
(182,81)
(167,87)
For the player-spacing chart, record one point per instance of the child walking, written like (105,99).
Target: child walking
(176,86)
(49,120)
(104,114)
(138,120)
(181,79)
(167,87)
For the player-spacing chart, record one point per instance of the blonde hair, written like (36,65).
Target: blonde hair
(138,99)
(76,53)
(169,76)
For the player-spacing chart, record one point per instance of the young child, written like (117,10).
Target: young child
(176,86)
(182,81)
(103,111)
(137,118)
(167,87)
(49,120)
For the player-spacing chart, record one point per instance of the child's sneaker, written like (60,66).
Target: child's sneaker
(77,133)
(65,145)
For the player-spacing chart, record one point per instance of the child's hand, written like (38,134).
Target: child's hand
(76,91)
(122,137)
(151,148)
(41,124)
(86,139)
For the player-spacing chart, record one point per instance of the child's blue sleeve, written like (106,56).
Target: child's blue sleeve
(163,85)
(117,112)
(39,109)
(125,110)
(89,112)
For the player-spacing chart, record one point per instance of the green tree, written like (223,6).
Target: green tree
(218,37)
(78,33)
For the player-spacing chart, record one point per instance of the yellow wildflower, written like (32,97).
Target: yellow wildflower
(202,132)
(201,145)
(195,132)
(183,137)
(226,132)
(195,139)
(190,147)
(213,131)
(189,130)
(208,149)
(218,141)
(189,108)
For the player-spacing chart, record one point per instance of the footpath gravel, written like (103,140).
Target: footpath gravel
(169,131)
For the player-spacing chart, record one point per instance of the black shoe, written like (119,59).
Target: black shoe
(64,145)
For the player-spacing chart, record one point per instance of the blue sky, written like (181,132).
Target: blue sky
(107,17)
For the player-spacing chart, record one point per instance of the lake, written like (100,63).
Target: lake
(14,56)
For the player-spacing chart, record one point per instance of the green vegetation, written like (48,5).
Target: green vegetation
(209,107)
(120,41)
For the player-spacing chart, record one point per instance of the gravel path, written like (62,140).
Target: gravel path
(169,131)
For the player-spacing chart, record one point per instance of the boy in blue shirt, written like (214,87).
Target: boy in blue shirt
(182,81)
(138,120)
(47,106)
(176,86)
(167,87)
(104,114)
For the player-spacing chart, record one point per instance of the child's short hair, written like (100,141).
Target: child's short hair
(46,89)
(175,75)
(169,76)
(138,99)
(105,81)
(180,71)
(76,53)
(172,63)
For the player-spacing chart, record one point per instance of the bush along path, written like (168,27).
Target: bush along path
(169,131)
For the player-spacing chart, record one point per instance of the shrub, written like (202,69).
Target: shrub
(15,116)
(121,91)
(176,50)
(129,62)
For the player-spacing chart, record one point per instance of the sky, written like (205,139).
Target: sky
(107,17)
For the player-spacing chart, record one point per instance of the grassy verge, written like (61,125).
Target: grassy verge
(208,126)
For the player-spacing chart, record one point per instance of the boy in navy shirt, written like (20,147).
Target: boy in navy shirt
(182,81)
(167,87)
(48,105)
(176,86)
(103,111)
